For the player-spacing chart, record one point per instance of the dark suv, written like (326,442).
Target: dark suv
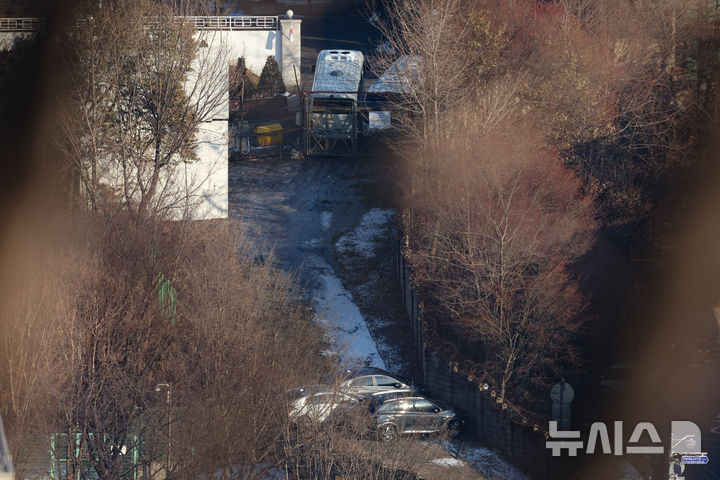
(415,414)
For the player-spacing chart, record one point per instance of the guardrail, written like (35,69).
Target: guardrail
(21,24)
(233,23)
(199,23)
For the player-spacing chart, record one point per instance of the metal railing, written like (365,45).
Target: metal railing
(21,24)
(199,23)
(232,23)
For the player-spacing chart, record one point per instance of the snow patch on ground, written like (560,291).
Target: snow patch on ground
(347,326)
(361,240)
(325,220)
(448,462)
(488,462)
(356,251)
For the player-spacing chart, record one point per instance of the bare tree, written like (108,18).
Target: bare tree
(434,36)
(493,220)
(126,308)
(140,83)
(500,226)
(254,339)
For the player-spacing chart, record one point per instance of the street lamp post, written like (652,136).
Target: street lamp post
(168,400)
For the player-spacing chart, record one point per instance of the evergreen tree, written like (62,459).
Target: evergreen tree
(244,86)
(271,82)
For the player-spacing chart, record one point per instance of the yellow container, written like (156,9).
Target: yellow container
(268,134)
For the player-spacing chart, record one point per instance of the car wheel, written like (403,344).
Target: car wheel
(453,428)
(388,432)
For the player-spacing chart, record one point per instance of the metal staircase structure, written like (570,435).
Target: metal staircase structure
(331,127)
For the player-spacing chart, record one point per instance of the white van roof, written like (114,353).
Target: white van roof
(397,78)
(337,74)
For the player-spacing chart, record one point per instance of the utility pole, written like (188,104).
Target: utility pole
(168,400)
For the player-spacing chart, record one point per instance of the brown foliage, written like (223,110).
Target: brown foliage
(620,92)
(494,231)
(88,339)
(493,219)
(646,61)
(436,33)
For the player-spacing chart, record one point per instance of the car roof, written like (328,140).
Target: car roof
(406,397)
(355,372)
(383,396)
(367,371)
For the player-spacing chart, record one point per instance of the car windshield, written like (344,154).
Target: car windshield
(376,399)
(384,381)
(329,398)
(361,382)
(395,406)
(441,405)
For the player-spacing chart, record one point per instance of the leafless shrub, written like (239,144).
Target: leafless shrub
(494,234)
(493,220)
(138,84)
(127,308)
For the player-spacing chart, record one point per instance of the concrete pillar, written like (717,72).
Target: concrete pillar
(289,51)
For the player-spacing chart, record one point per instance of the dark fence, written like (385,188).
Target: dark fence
(520,438)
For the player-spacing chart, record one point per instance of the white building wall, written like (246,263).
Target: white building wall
(199,189)
(255,45)
(206,180)
(7,39)
(206,193)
